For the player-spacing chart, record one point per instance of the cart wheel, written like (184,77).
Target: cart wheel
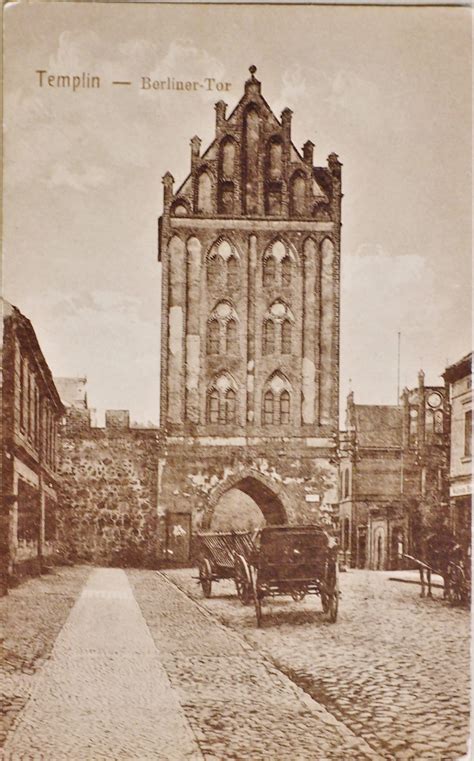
(243,580)
(258,608)
(333,606)
(298,594)
(205,576)
(256,596)
(324,602)
(332,598)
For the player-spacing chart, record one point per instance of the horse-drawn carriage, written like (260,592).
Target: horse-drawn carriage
(453,565)
(273,561)
(217,553)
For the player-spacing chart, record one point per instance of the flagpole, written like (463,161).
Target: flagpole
(398,368)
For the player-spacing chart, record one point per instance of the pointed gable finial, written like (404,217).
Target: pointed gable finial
(168,181)
(220,114)
(252,85)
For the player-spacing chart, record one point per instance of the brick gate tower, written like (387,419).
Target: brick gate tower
(249,246)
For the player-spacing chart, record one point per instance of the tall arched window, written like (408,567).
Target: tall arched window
(227,159)
(286,271)
(213,406)
(251,138)
(222,400)
(226,198)
(214,269)
(268,404)
(297,195)
(275,154)
(213,336)
(229,405)
(429,421)
(204,193)
(232,272)
(269,270)
(231,338)
(286,337)
(284,408)
(268,337)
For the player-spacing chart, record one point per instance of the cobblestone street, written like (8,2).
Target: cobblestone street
(135,669)
(394,668)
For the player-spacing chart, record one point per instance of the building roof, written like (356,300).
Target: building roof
(11,313)
(378,425)
(459,369)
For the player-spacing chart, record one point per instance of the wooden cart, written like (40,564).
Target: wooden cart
(291,560)
(217,560)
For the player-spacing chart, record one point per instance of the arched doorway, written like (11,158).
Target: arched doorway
(236,511)
(260,492)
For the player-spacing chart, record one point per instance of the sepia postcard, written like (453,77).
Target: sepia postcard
(235,388)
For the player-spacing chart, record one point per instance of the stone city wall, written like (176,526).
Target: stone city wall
(109,492)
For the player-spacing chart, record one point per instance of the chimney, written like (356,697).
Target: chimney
(220,114)
(334,164)
(308,152)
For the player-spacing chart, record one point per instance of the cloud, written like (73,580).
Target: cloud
(90,177)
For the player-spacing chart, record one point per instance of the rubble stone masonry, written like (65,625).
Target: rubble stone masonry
(109,492)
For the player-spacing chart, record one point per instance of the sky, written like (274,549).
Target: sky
(386,88)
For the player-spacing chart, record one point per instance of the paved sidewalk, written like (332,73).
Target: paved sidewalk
(104,693)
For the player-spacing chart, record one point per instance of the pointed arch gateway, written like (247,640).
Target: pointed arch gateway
(259,488)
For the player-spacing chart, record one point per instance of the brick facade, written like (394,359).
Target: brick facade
(458,379)
(249,246)
(393,476)
(31,411)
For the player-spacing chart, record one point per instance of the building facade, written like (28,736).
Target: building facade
(250,247)
(393,476)
(458,378)
(31,413)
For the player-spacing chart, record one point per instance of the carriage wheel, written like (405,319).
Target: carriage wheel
(324,601)
(332,598)
(243,580)
(256,596)
(333,605)
(298,594)
(258,608)
(205,576)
